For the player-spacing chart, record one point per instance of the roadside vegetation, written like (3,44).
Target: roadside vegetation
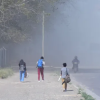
(85,95)
(6,72)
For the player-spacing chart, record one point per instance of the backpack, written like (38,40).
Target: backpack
(40,63)
(22,67)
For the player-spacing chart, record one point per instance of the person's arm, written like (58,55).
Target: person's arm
(68,72)
(78,61)
(25,66)
(61,73)
(72,61)
(43,63)
(37,62)
(19,66)
(60,76)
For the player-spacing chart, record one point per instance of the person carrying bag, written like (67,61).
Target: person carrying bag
(22,70)
(65,77)
(40,67)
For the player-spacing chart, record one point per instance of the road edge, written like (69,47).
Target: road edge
(78,85)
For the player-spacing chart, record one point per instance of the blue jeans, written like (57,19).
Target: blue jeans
(22,74)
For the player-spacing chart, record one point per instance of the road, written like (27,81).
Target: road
(90,78)
(87,77)
(31,89)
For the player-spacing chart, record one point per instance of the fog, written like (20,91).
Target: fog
(73,29)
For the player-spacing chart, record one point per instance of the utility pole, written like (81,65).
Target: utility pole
(43,35)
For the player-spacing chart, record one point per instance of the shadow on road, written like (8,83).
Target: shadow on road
(26,81)
(69,90)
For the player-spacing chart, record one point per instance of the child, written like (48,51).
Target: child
(64,73)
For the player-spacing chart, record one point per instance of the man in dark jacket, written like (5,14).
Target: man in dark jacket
(22,69)
(75,62)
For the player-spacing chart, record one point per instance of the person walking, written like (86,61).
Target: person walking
(64,74)
(40,67)
(22,69)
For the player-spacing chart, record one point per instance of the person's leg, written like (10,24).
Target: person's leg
(77,67)
(73,67)
(65,86)
(20,75)
(63,83)
(41,71)
(38,74)
(42,74)
(23,75)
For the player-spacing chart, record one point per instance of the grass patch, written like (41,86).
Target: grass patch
(85,95)
(5,73)
(80,90)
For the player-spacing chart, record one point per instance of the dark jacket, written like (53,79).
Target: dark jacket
(22,63)
(75,60)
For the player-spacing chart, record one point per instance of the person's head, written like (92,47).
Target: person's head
(42,57)
(75,57)
(21,60)
(64,64)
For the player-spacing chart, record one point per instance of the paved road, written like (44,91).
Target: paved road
(31,89)
(89,78)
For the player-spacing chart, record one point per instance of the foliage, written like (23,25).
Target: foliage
(86,96)
(13,12)
(80,90)
(4,73)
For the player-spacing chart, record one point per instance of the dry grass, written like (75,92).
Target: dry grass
(6,72)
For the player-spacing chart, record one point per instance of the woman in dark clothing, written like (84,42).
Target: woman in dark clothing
(22,69)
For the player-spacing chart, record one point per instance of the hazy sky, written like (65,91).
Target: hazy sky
(74,30)
(71,30)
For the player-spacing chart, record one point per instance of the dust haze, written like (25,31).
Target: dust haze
(73,29)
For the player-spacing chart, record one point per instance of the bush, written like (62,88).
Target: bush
(80,91)
(86,96)
(6,72)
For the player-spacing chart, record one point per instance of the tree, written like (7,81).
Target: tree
(11,12)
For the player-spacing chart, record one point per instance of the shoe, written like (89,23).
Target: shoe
(64,90)
(42,80)
(38,81)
